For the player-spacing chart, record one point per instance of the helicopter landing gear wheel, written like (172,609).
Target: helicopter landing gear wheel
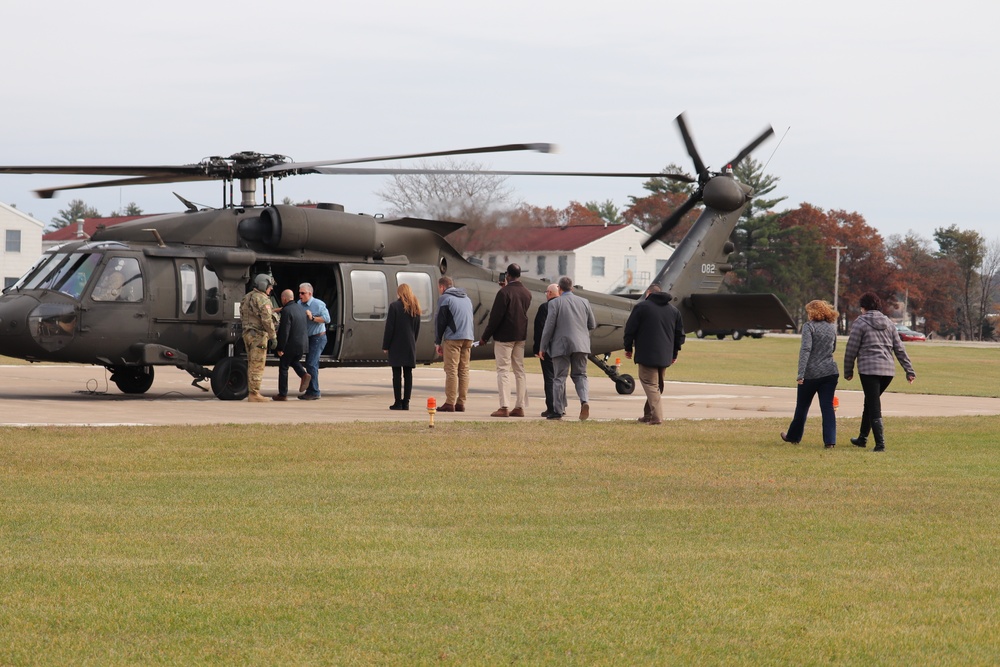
(133,379)
(737,334)
(625,384)
(229,379)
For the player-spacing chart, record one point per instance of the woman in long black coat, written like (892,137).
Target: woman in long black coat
(400,342)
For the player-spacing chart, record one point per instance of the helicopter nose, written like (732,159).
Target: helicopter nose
(14,333)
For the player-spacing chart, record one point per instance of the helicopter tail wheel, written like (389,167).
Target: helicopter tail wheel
(737,334)
(133,379)
(229,379)
(625,384)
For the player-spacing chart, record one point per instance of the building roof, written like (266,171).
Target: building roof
(11,210)
(71,232)
(540,239)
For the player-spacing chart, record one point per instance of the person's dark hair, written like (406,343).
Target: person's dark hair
(446,282)
(565,284)
(870,301)
(513,271)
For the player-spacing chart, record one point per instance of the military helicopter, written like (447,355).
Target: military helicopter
(165,290)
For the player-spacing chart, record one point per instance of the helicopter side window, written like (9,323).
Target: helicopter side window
(189,289)
(210,283)
(370,295)
(120,281)
(420,283)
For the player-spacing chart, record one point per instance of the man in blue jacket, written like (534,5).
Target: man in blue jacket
(656,329)
(453,335)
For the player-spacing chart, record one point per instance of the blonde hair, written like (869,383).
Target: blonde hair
(821,311)
(410,303)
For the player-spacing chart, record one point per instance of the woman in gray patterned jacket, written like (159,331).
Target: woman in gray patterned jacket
(873,342)
(818,372)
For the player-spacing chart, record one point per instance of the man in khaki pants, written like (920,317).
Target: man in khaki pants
(508,327)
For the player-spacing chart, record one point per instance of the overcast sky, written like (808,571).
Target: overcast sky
(888,109)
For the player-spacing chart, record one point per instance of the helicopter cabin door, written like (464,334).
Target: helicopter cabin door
(368,291)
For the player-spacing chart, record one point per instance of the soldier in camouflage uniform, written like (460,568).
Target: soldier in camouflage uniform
(258,332)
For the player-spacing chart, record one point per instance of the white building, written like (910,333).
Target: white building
(22,243)
(601,258)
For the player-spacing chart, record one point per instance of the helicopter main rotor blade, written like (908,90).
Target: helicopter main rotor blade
(673,220)
(380,171)
(699,166)
(752,145)
(107,170)
(302,166)
(48,193)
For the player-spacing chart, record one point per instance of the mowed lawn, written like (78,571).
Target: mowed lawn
(530,543)
(956,369)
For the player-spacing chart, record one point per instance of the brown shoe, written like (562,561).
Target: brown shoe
(279,397)
(447,407)
(654,423)
(502,412)
(304,382)
(254,397)
(643,420)
(517,412)
(584,411)
(460,407)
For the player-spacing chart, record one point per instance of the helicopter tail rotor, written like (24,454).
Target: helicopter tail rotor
(727,195)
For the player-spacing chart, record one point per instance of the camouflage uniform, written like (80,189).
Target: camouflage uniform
(258,329)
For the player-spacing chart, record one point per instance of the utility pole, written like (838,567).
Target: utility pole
(836,279)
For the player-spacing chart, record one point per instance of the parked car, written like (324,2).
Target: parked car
(908,334)
(735,333)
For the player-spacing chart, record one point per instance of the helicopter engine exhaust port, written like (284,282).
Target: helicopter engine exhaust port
(293,228)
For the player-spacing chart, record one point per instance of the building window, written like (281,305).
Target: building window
(597,267)
(491,262)
(7,282)
(562,265)
(540,265)
(13,241)
(660,263)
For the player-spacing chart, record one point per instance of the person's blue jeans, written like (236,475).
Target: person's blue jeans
(825,387)
(316,345)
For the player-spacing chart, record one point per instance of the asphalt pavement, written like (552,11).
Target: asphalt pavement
(37,395)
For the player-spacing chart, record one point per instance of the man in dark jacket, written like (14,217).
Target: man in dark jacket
(293,341)
(656,328)
(548,373)
(508,327)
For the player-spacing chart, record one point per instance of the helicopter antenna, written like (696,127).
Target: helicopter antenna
(776,148)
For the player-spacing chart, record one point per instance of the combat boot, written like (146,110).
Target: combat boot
(255,397)
(879,435)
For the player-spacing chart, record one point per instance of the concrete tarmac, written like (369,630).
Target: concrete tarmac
(42,395)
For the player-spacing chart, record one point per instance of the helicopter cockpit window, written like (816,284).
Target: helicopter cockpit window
(79,275)
(210,283)
(420,283)
(189,289)
(369,295)
(120,281)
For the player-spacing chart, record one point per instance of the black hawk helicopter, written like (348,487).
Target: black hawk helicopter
(165,290)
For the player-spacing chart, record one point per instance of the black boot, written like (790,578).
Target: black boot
(879,435)
(398,405)
(405,404)
(862,439)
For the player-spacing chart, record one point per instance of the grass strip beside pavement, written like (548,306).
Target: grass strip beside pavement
(590,543)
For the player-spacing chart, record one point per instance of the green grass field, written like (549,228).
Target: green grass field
(772,361)
(545,543)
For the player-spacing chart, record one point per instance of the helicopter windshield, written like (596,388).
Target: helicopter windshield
(68,273)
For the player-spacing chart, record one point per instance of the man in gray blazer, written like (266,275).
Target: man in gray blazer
(566,340)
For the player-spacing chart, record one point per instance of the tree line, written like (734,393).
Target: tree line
(947,285)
